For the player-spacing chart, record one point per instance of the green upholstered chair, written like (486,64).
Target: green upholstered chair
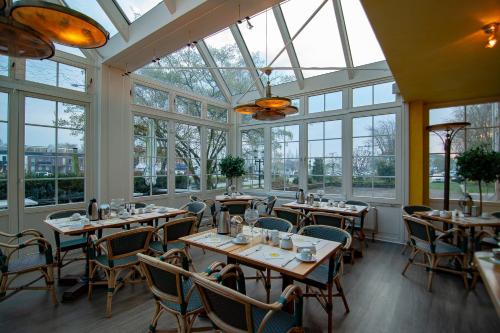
(327,275)
(68,243)
(294,216)
(114,254)
(410,210)
(196,208)
(266,206)
(236,207)
(14,262)
(424,240)
(169,280)
(232,311)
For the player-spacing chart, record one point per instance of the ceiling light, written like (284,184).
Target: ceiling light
(247,109)
(491,30)
(43,23)
(268,114)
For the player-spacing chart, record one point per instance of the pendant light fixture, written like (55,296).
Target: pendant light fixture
(29,29)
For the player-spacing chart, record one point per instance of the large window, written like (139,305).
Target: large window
(4,148)
(187,106)
(150,97)
(325,102)
(54,157)
(217,113)
(187,162)
(484,130)
(369,95)
(150,156)
(285,158)
(325,156)
(373,160)
(56,74)
(4,65)
(216,150)
(252,148)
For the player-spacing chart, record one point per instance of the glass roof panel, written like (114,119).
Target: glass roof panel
(70,50)
(197,80)
(226,53)
(134,9)
(255,39)
(365,48)
(318,45)
(93,9)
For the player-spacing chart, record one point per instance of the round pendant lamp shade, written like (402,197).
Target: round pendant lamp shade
(247,109)
(60,24)
(17,40)
(273,102)
(270,115)
(289,110)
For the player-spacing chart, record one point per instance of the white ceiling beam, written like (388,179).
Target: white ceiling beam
(248,58)
(285,34)
(171,5)
(116,17)
(216,74)
(339,14)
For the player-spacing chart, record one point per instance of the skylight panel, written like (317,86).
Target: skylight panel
(226,53)
(364,45)
(185,69)
(134,9)
(255,40)
(93,9)
(319,44)
(70,50)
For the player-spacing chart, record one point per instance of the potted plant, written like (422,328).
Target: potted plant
(479,164)
(232,167)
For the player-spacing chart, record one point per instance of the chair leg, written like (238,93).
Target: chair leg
(410,260)
(433,264)
(58,263)
(111,291)
(341,292)
(464,273)
(156,317)
(329,308)
(268,285)
(90,282)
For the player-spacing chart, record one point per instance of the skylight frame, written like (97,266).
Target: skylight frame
(120,7)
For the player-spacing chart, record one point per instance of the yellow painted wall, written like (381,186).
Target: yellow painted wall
(418,154)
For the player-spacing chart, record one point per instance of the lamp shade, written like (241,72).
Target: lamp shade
(17,40)
(60,24)
(289,110)
(273,102)
(268,115)
(247,109)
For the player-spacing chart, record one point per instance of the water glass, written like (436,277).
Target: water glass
(251,217)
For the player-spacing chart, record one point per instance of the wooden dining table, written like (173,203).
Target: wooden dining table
(490,274)
(265,255)
(358,211)
(65,226)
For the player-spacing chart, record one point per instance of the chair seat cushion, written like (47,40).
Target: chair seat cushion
(74,243)
(280,321)
(28,262)
(126,261)
(194,302)
(157,246)
(441,248)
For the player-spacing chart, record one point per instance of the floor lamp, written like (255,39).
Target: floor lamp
(446,132)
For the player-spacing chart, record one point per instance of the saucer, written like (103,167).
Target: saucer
(313,258)
(124,217)
(236,241)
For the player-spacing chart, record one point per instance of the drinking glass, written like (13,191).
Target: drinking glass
(251,217)
(321,193)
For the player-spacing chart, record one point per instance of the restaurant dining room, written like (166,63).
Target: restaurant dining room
(259,166)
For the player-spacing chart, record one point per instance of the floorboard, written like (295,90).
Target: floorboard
(380,298)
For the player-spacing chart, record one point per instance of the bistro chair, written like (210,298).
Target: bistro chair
(169,280)
(232,311)
(294,216)
(269,223)
(236,207)
(326,275)
(196,208)
(14,262)
(266,206)
(359,224)
(410,210)
(69,243)
(228,275)
(423,240)
(167,236)
(333,220)
(118,254)
(488,238)
(212,204)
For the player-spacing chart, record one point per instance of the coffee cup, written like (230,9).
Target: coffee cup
(242,238)
(140,211)
(342,204)
(306,254)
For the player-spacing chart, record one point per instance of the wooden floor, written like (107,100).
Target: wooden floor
(381,300)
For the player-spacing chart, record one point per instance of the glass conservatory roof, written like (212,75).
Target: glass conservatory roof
(93,9)
(324,35)
(133,9)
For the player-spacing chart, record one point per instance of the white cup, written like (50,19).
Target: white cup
(306,254)
(242,238)
(342,204)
